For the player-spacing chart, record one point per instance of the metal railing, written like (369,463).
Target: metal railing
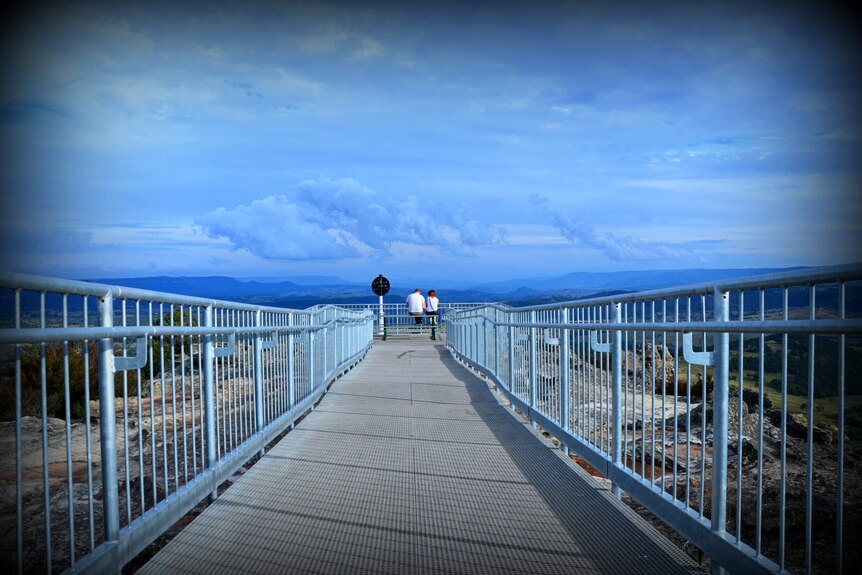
(122,409)
(690,433)
(396,317)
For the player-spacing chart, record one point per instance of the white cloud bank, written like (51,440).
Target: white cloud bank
(334,219)
(618,248)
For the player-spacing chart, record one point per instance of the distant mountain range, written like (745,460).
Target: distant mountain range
(627,281)
(304,291)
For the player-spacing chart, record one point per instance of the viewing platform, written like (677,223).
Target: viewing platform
(411,464)
(305,442)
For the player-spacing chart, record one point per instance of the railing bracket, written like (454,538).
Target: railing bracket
(695,357)
(548,340)
(228,349)
(596,346)
(269,343)
(137,361)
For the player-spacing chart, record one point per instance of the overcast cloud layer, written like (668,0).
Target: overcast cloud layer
(452,140)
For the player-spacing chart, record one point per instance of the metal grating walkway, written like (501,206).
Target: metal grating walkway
(409,465)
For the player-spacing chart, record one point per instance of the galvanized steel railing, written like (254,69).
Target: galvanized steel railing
(125,408)
(688,432)
(395,315)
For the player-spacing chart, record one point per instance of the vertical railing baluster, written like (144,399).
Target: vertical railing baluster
(782,507)
(839,510)
(70,501)
(257,348)
(291,367)
(532,358)
(43,397)
(564,374)
(809,468)
(616,397)
(761,392)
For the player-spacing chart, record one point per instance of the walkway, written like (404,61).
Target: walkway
(409,465)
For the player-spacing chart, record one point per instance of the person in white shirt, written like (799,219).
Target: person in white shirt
(416,305)
(431,305)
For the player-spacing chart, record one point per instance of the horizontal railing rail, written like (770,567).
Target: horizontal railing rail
(690,433)
(396,316)
(125,408)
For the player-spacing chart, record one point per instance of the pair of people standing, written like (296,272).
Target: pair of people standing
(417,305)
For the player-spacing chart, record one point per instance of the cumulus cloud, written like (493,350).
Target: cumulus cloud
(334,219)
(276,228)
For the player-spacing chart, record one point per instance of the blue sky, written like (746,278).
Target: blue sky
(437,140)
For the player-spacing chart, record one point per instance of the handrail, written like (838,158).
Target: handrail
(187,390)
(38,283)
(203,385)
(672,426)
(37,335)
(820,326)
(807,277)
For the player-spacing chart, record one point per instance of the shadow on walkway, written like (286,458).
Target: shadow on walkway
(614,537)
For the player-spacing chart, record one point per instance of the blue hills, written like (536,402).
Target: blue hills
(303,291)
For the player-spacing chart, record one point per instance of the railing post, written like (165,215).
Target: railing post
(484,342)
(338,348)
(346,340)
(311,381)
(512,362)
(532,367)
(107,424)
(497,345)
(258,377)
(209,397)
(465,338)
(721,344)
(564,374)
(353,331)
(291,368)
(617,376)
(325,373)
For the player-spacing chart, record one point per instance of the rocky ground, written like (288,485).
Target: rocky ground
(659,458)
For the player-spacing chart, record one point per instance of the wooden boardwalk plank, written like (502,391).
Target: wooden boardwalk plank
(409,465)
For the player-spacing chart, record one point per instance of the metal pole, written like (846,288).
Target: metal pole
(209,398)
(564,374)
(291,367)
(512,362)
(311,369)
(533,367)
(617,375)
(721,307)
(484,343)
(258,379)
(324,372)
(107,424)
(381,324)
(497,347)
